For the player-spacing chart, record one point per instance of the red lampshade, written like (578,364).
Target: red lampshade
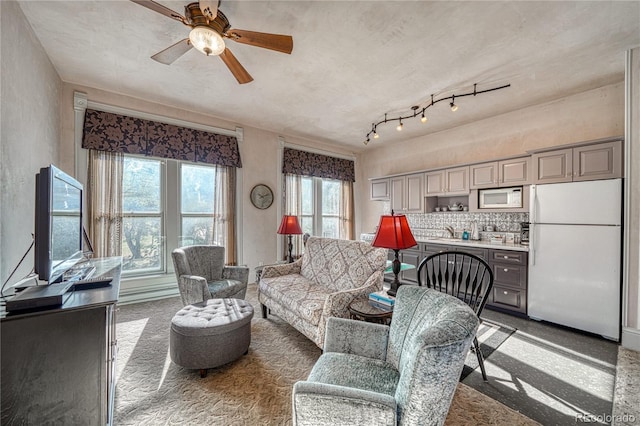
(394,233)
(289,225)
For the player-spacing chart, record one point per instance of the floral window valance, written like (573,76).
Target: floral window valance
(305,163)
(105,131)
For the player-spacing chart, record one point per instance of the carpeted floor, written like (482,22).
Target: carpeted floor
(254,390)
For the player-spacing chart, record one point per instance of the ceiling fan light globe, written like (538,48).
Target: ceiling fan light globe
(206,40)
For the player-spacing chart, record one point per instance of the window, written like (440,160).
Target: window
(164,204)
(197,191)
(322,205)
(142,215)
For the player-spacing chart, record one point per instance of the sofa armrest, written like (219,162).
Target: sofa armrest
(271,271)
(356,337)
(238,273)
(193,289)
(325,404)
(337,303)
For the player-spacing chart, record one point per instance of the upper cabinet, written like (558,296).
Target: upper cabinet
(454,181)
(407,194)
(512,172)
(380,189)
(588,162)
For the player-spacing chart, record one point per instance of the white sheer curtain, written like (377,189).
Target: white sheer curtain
(104,202)
(293,206)
(347,226)
(224,207)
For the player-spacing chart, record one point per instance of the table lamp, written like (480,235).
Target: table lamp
(394,233)
(289,226)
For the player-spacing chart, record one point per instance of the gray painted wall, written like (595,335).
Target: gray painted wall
(29,130)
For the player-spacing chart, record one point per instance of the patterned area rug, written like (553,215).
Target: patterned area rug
(490,336)
(254,390)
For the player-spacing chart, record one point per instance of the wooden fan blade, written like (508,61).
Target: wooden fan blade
(277,42)
(163,10)
(235,67)
(173,52)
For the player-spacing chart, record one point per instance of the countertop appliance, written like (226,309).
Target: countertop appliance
(500,198)
(575,255)
(524,233)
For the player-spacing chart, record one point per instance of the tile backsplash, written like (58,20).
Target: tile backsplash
(433,224)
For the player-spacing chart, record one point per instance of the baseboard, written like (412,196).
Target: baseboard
(631,338)
(147,293)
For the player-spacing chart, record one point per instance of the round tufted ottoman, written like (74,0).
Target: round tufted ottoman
(211,333)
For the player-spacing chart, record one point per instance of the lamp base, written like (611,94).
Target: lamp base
(290,249)
(395,268)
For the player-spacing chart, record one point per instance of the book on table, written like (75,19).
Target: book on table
(382,297)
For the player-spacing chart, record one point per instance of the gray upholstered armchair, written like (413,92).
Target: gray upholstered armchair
(202,274)
(403,374)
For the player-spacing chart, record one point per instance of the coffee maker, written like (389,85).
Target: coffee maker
(524,233)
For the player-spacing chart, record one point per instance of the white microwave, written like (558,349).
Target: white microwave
(500,198)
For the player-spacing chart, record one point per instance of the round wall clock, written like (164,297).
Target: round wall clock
(261,196)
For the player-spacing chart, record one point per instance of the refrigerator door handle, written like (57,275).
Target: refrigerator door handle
(534,201)
(532,243)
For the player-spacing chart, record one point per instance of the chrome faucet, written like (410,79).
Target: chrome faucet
(450,230)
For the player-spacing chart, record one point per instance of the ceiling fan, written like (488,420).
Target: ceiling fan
(209,27)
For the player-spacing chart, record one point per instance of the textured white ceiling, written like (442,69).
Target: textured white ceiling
(352,61)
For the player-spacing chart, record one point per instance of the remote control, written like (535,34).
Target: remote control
(91,283)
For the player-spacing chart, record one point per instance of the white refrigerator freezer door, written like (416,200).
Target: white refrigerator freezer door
(574,277)
(592,202)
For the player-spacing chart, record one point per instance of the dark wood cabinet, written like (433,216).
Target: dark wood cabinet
(509,291)
(58,365)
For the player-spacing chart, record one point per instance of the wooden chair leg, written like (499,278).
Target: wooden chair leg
(264,311)
(203,373)
(478,352)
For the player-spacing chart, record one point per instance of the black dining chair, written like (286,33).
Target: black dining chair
(463,275)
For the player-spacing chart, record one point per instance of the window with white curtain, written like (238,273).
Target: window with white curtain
(324,206)
(166,204)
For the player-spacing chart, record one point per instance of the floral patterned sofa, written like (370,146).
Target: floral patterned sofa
(321,284)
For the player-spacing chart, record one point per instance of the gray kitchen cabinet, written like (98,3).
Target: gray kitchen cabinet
(509,292)
(434,183)
(512,172)
(407,194)
(483,175)
(601,161)
(580,163)
(454,181)
(379,189)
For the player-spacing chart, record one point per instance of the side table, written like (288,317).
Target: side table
(367,310)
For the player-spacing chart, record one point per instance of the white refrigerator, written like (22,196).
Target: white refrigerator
(575,255)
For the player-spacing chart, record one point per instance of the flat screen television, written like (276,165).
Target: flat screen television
(58,223)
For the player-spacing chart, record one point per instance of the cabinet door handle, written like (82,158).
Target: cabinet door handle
(506,292)
(506,257)
(506,270)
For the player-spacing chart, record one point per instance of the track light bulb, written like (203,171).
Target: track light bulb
(454,107)
(423,118)
(376,135)
(366,142)
(399,128)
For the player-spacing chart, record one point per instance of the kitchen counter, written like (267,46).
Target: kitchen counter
(473,243)
(368,237)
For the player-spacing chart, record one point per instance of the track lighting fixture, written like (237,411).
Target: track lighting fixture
(453,106)
(418,111)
